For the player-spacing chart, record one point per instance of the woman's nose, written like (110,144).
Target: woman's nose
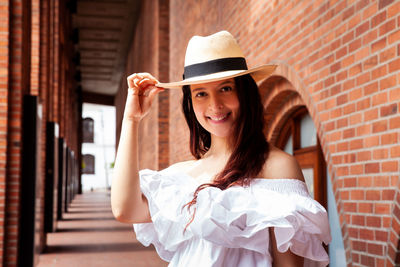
(216,102)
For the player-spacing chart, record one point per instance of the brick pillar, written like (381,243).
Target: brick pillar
(163,73)
(4,73)
(44,74)
(19,84)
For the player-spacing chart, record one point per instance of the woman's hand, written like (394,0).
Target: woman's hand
(141,93)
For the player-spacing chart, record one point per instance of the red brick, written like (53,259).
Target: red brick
(366,234)
(382,208)
(358,220)
(379,45)
(371,114)
(378,19)
(357,195)
(371,167)
(363,155)
(359,245)
(379,126)
(365,207)
(347,37)
(349,84)
(394,65)
(387,54)
(355,257)
(371,88)
(384,3)
(355,118)
(388,110)
(393,10)
(349,108)
(387,27)
(390,166)
(395,151)
(380,98)
(375,249)
(388,194)
(380,153)
(394,37)
(389,139)
(373,221)
(381,181)
(341,53)
(370,62)
(350,207)
(356,69)
(355,169)
(362,28)
(348,13)
(379,72)
(363,78)
(364,181)
(394,123)
(342,99)
(368,38)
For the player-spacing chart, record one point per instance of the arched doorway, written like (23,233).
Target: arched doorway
(290,127)
(299,138)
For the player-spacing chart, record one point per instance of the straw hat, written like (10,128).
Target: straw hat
(216,57)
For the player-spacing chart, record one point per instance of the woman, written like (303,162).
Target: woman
(242,201)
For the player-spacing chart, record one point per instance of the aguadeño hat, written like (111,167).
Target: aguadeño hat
(216,57)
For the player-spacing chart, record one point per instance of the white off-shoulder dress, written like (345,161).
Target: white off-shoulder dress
(230,227)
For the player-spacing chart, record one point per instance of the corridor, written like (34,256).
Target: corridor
(88,235)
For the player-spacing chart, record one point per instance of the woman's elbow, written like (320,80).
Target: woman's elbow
(139,216)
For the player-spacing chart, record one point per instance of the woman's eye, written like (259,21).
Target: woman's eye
(226,88)
(200,94)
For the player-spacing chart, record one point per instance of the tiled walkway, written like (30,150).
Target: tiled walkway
(89,236)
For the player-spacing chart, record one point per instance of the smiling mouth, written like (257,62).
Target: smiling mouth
(220,118)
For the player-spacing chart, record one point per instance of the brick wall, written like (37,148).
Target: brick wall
(340,59)
(149,53)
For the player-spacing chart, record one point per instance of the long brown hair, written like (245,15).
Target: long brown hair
(250,148)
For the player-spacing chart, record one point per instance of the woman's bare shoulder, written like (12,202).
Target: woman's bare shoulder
(182,166)
(281,165)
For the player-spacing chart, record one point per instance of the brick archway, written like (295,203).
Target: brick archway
(283,94)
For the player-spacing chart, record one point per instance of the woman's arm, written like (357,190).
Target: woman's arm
(127,201)
(285,259)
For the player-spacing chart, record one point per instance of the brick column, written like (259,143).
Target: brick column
(19,84)
(163,73)
(4,73)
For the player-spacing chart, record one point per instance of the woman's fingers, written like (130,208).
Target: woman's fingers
(154,91)
(134,79)
(142,90)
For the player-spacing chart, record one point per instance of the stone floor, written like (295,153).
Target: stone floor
(88,236)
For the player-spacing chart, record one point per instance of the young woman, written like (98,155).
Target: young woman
(241,201)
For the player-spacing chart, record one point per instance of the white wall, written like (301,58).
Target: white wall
(103,147)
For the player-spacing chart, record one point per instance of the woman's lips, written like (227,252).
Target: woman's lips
(219,118)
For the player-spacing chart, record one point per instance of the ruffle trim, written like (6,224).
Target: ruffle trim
(238,217)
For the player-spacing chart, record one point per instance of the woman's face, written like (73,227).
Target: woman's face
(216,106)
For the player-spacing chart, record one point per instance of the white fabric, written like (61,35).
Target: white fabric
(230,227)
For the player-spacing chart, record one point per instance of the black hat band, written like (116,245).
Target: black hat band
(214,66)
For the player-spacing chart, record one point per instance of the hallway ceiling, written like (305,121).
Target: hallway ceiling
(104,29)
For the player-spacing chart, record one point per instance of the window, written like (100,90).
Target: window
(88,164)
(88,130)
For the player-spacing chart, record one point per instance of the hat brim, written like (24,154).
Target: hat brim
(258,74)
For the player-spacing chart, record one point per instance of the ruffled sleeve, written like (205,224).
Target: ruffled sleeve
(240,218)
(166,196)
